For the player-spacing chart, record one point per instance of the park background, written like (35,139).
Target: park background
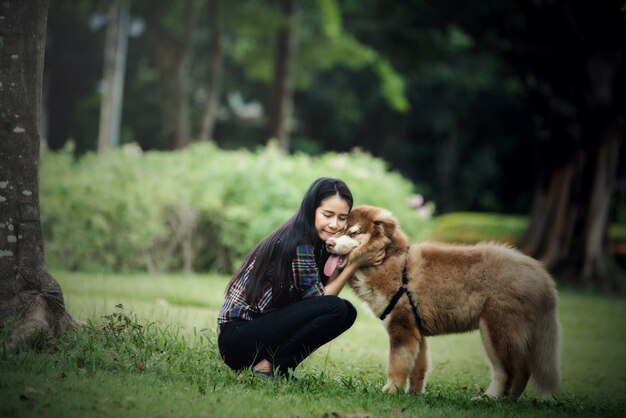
(175,135)
(500,108)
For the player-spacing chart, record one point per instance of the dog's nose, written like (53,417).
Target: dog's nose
(330,243)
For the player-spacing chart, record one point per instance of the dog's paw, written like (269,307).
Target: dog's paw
(484,397)
(548,399)
(390,388)
(419,390)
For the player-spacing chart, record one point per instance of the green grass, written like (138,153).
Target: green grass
(169,366)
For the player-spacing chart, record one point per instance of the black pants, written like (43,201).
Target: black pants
(286,336)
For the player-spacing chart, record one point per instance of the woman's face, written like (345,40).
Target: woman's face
(331,216)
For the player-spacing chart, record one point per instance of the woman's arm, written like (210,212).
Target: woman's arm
(338,280)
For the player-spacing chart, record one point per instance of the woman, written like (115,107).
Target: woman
(280,306)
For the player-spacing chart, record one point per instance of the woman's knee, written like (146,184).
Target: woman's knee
(350,313)
(340,308)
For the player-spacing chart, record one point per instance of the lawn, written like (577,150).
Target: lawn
(169,367)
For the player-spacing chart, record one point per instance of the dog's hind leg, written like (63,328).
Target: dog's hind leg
(417,379)
(507,346)
(519,379)
(403,352)
(499,376)
(518,349)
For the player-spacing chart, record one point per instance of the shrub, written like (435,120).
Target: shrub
(200,208)
(467,227)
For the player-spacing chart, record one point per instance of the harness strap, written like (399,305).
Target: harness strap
(396,297)
(392,303)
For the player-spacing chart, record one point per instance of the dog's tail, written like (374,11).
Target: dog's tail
(545,355)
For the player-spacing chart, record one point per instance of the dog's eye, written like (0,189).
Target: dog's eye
(354,234)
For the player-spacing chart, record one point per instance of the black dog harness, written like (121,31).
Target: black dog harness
(394,300)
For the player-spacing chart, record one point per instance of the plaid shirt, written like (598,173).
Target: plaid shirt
(306,282)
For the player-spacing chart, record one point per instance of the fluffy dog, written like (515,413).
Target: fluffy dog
(508,296)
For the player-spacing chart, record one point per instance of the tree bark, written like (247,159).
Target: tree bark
(173,61)
(284,74)
(216,60)
(568,228)
(596,262)
(554,212)
(30,298)
(115,51)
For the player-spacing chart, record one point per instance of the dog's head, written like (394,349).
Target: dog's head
(368,230)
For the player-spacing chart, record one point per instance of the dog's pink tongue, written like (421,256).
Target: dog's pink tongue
(331,264)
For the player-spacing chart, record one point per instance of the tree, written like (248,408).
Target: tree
(173,58)
(29,295)
(569,56)
(216,64)
(286,47)
(269,41)
(567,62)
(115,51)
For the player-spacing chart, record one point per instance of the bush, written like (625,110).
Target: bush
(471,227)
(201,208)
(467,227)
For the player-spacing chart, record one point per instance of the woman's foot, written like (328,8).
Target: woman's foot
(263,375)
(263,366)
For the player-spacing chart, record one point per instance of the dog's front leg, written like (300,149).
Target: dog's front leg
(417,380)
(403,352)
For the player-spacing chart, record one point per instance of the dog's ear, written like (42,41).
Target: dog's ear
(387,222)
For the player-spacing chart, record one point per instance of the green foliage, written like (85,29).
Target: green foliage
(322,45)
(331,17)
(392,86)
(336,47)
(473,227)
(618,232)
(201,208)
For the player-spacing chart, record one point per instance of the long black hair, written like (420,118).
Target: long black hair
(273,255)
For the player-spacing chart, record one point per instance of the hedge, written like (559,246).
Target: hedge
(201,208)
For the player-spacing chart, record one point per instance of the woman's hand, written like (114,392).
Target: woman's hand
(380,257)
(370,259)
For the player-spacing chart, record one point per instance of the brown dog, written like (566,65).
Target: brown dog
(508,296)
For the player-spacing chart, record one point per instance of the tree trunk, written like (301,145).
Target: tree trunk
(173,60)
(568,227)
(554,212)
(209,115)
(284,74)
(175,103)
(115,50)
(30,299)
(447,168)
(596,264)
